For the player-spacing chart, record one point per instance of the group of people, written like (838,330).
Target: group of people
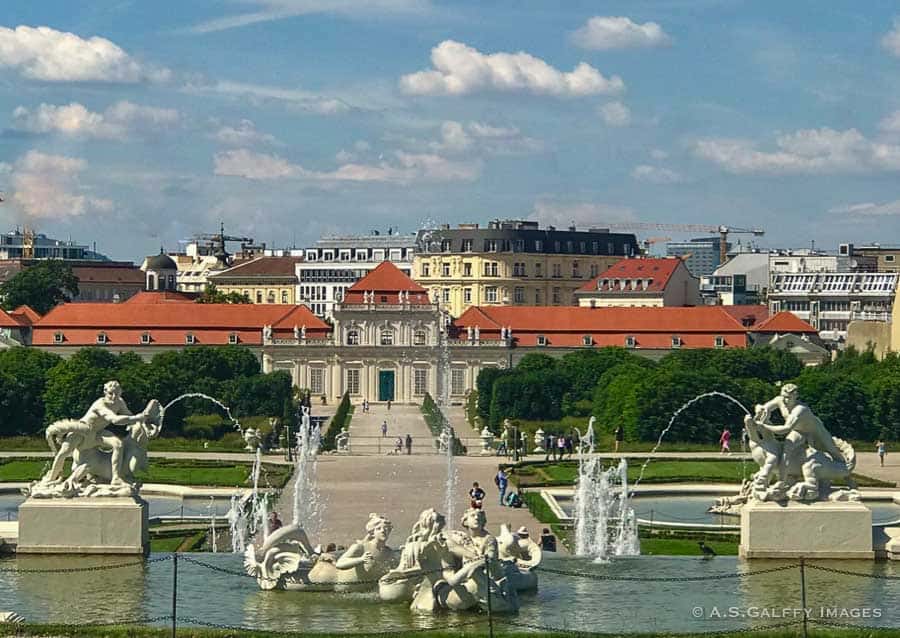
(557,446)
(501,480)
(400,442)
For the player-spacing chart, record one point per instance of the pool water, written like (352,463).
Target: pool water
(158,506)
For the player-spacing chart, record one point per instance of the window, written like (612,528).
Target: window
(519,269)
(630,342)
(538,271)
(317,381)
(676,341)
(387,337)
(457,381)
(259,296)
(519,245)
(419,338)
(101,337)
(467,269)
(58,337)
(445,295)
(353,381)
(145,338)
(353,337)
(539,245)
(519,294)
(189,339)
(576,270)
(587,340)
(420,381)
(490,294)
(445,269)
(557,271)
(426,269)
(541,340)
(491,245)
(467,245)
(557,296)
(467,295)
(537,297)
(378,255)
(889,258)
(491,269)
(233,339)
(720,341)
(446,246)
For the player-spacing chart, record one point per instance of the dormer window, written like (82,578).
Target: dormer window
(58,337)
(676,341)
(145,338)
(541,340)
(720,341)
(101,338)
(587,340)
(233,339)
(353,337)
(190,339)
(630,342)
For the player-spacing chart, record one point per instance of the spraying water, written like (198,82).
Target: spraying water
(452,481)
(307,500)
(211,507)
(605,522)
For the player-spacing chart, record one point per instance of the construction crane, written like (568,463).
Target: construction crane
(723,231)
(217,242)
(653,240)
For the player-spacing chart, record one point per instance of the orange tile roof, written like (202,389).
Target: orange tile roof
(750,315)
(386,277)
(109,274)
(8,321)
(784,322)
(27,313)
(658,271)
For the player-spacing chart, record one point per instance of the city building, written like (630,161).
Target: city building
(107,281)
(872,258)
(806,261)
(701,255)
(15,326)
(743,279)
(513,262)
(829,301)
(151,322)
(160,272)
(28,245)
(333,264)
(265,280)
(641,282)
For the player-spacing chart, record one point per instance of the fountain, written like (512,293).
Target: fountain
(307,500)
(605,523)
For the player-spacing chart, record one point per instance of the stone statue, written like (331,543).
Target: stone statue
(803,463)
(342,441)
(252,439)
(296,333)
(267,333)
(102,463)
(521,556)
(487,441)
(287,560)
(425,557)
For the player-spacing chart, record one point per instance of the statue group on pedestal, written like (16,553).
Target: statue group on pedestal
(436,568)
(798,460)
(103,464)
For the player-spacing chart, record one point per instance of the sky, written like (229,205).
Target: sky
(137,124)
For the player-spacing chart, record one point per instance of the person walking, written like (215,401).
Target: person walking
(570,446)
(408,444)
(560,446)
(501,480)
(745,440)
(365,406)
(620,436)
(725,441)
(398,445)
(881,448)
(384,428)
(476,496)
(389,405)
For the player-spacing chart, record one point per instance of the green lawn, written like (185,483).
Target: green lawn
(478,630)
(657,471)
(605,441)
(228,443)
(170,471)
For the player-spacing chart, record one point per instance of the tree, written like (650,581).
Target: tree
(840,401)
(73,384)
(211,294)
(583,369)
(23,377)
(42,287)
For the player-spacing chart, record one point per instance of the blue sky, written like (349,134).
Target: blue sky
(136,124)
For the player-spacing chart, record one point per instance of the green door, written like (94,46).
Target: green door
(385,385)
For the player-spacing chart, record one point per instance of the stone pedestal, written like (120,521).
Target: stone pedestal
(809,530)
(106,525)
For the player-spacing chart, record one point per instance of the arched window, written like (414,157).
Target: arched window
(387,337)
(353,337)
(420,337)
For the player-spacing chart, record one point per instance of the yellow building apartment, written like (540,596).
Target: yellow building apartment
(266,280)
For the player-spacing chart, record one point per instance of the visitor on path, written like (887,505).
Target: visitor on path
(398,445)
(365,405)
(501,480)
(548,540)
(881,448)
(408,444)
(620,436)
(725,441)
(274,522)
(514,500)
(476,496)
(384,428)
(548,446)
(570,446)
(389,405)
(560,446)
(745,440)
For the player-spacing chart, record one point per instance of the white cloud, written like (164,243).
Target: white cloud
(602,33)
(244,134)
(48,186)
(42,53)
(582,214)
(75,120)
(407,168)
(655,174)
(457,137)
(658,154)
(869,209)
(298,99)
(890,123)
(460,69)
(891,39)
(268,10)
(810,151)
(615,114)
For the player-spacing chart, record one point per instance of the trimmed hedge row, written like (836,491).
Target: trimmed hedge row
(338,421)
(437,421)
